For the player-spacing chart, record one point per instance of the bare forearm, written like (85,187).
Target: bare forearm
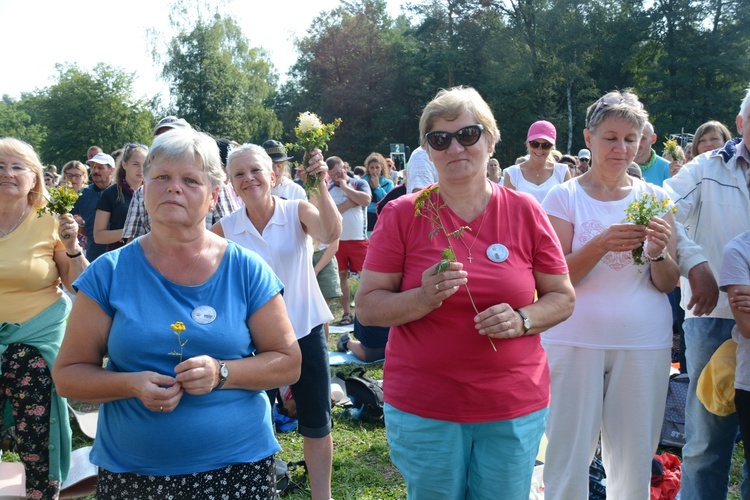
(551,309)
(330,218)
(93,384)
(386,308)
(75,267)
(328,254)
(360,198)
(665,273)
(264,371)
(107,236)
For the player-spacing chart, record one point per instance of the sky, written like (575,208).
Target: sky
(37,34)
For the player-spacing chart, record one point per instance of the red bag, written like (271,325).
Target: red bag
(665,479)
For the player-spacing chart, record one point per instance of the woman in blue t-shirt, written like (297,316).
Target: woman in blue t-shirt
(195,329)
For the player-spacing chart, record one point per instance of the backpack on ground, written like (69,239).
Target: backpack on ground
(284,471)
(673,427)
(365,394)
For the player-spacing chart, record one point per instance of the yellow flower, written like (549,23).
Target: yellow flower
(178,327)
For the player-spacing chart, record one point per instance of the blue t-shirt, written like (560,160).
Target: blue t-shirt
(205,432)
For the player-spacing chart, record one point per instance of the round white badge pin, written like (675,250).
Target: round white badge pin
(497,253)
(203,315)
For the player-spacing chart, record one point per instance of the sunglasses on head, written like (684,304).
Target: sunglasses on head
(467,136)
(611,101)
(544,145)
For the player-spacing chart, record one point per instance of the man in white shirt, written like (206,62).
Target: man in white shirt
(420,172)
(351,197)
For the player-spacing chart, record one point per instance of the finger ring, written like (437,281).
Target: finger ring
(437,286)
(161,408)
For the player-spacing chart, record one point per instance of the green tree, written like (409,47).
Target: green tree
(83,108)
(16,122)
(219,84)
(348,69)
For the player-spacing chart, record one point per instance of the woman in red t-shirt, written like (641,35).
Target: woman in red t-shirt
(453,271)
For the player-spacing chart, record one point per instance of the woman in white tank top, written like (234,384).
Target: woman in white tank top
(538,174)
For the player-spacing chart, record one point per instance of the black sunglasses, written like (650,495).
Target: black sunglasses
(544,145)
(467,136)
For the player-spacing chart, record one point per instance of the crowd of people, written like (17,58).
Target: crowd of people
(202,273)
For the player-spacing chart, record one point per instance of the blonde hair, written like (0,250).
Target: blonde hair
(77,165)
(13,147)
(450,103)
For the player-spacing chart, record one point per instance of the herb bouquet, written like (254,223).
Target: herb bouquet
(312,134)
(60,201)
(641,211)
(425,207)
(670,148)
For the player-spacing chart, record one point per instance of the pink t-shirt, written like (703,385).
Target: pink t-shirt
(439,366)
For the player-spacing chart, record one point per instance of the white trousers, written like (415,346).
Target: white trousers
(620,393)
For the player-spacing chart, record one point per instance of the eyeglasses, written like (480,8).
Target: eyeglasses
(73,176)
(586,160)
(544,145)
(467,136)
(16,168)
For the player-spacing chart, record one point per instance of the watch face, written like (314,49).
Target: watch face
(527,323)
(224,372)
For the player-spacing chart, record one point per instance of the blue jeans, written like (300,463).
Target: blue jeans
(707,454)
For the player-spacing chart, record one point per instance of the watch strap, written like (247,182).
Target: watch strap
(223,374)
(524,320)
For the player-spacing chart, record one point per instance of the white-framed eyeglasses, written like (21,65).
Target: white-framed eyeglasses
(15,168)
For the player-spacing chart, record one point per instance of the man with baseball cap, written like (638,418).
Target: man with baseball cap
(584,160)
(283,186)
(101,167)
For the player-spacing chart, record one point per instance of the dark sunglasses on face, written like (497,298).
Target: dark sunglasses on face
(544,145)
(467,136)
(584,160)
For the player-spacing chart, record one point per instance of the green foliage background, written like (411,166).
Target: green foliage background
(689,60)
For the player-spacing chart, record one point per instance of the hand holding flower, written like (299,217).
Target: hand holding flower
(643,210)
(158,393)
(657,237)
(312,134)
(198,375)
(68,229)
(440,282)
(59,201)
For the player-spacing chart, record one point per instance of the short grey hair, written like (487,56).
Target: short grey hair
(247,149)
(745,106)
(184,144)
(635,114)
